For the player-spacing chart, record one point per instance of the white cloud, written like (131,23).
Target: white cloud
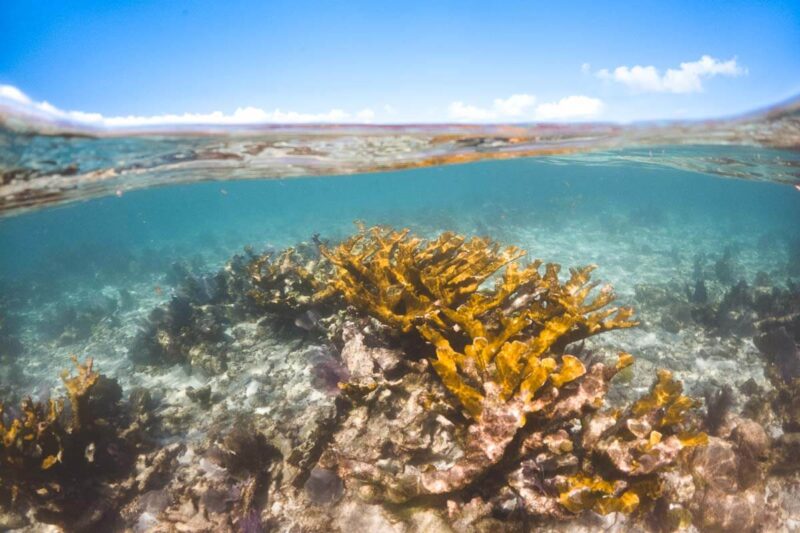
(521,106)
(586,68)
(241,116)
(365,115)
(462,111)
(686,79)
(570,108)
(515,106)
(12,93)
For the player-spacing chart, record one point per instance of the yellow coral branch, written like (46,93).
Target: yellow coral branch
(437,288)
(78,388)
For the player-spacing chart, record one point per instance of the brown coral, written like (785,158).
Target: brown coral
(636,446)
(403,280)
(78,388)
(54,461)
(32,440)
(38,436)
(281,281)
(488,341)
(499,349)
(654,430)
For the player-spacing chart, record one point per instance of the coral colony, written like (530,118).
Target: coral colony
(461,400)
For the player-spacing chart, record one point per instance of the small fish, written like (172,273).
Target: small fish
(157,289)
(223,192)
(797,187)
(307,321)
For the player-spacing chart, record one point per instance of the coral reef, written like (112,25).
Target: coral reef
(191,327)
(778,339)
(731,310)
(395,383)
(61,460)
(500,355)
(456,384)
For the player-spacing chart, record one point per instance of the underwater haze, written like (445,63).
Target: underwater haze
(370,379)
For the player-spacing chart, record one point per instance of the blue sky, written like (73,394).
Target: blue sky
(407,61)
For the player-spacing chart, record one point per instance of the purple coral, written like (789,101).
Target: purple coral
(323,486)
(328,371)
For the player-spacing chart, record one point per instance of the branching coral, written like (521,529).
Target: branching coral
(636,446)
(34,439)
(78,388)
(403,280)
(584,492)
(488,341)
(283,281)
(37,435)
(498,349)
(51,459)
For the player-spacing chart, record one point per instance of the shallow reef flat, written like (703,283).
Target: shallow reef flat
(397,380)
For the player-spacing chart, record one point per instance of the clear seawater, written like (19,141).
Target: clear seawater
(643,225)
(637,223)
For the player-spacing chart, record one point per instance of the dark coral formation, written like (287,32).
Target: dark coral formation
(67,324)
(285,281)
(185,330)
(778,339)
(190,328)
(733,309)
(60,459)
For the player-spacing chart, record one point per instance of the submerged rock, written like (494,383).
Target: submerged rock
(323,486)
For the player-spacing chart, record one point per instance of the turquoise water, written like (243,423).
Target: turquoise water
(87,277)
(511,201)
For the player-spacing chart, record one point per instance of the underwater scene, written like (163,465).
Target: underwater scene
(602,337)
